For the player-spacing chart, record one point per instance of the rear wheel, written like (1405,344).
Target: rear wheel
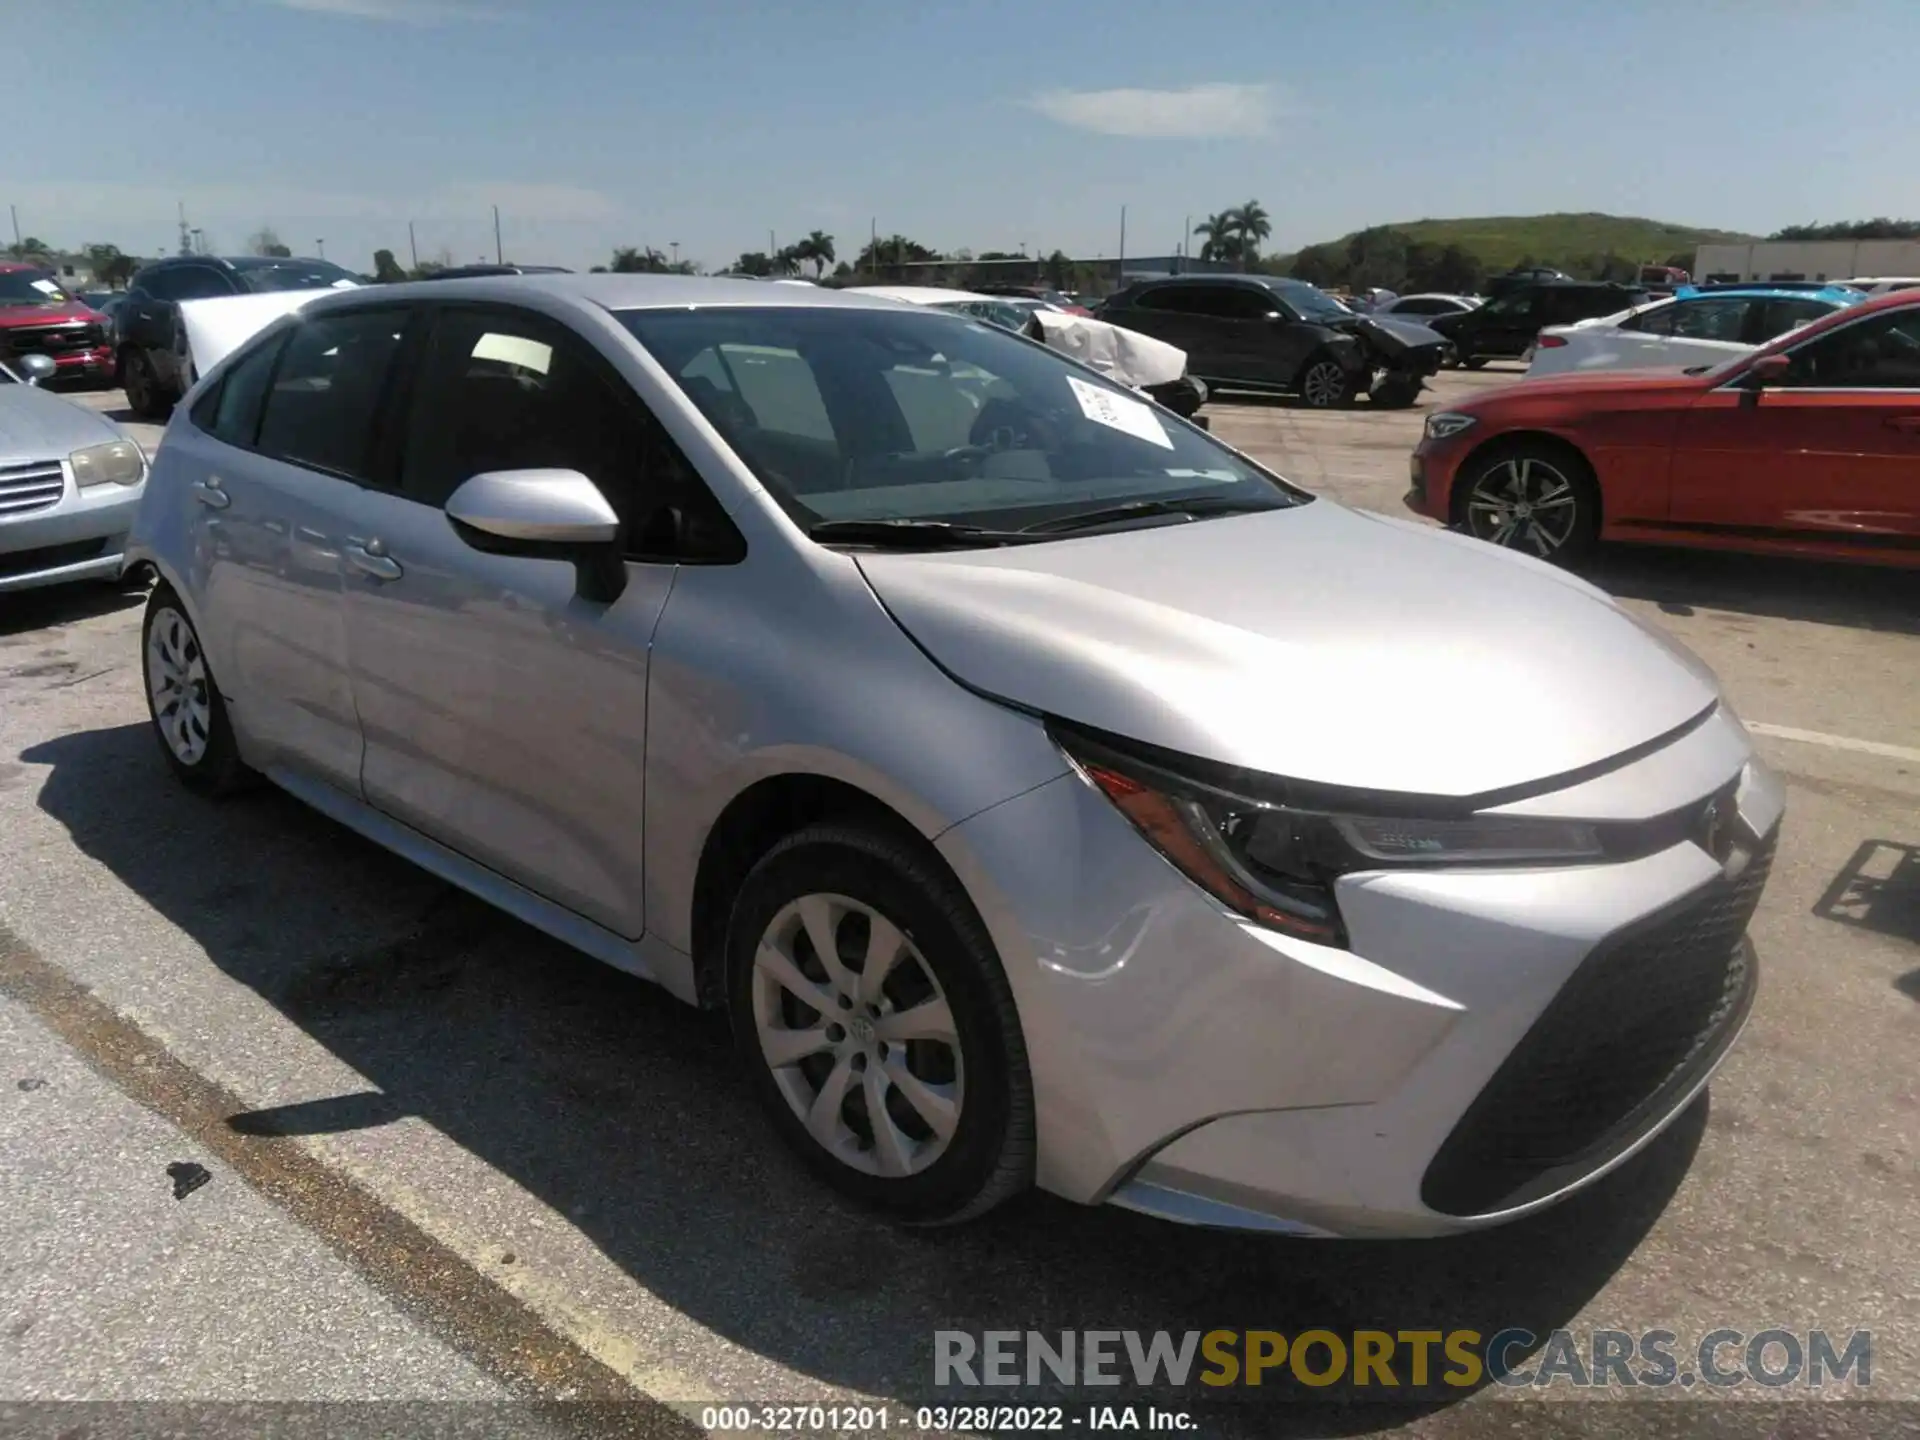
(1472,362)
(1538,499)
(871,1009)
(1326,384)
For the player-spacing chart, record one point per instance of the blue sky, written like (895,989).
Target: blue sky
(989,124)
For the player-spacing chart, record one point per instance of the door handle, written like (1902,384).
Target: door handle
(209,493)
(371,559)
(1903,422)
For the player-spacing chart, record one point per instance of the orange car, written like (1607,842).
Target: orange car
(1809,445)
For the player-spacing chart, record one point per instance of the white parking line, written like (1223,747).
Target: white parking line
(1834,742)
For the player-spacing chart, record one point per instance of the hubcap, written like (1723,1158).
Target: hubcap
(1523,504)
(1323,383)
(858,1035)
(177,687)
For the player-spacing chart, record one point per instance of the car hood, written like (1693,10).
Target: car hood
(38,425)
(64,312)
(1617,384)
(1317,643)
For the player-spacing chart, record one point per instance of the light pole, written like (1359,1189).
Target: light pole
(321,247)
(674,245)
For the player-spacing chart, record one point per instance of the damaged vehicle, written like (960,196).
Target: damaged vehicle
(1151,366)
(1047,794)
(1268,334)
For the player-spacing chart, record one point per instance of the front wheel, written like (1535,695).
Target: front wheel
(147,397)
(870,1007)
(1537,499)
(189,717)
(1472,362)
(1326,384)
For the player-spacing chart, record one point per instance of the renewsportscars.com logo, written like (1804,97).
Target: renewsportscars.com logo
(1399,1360)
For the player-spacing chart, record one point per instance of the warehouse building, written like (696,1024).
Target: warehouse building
(1807,260)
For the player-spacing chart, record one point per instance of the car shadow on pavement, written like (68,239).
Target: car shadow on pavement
(24,611)
(1878,889)
(622,1109)
(1826,592)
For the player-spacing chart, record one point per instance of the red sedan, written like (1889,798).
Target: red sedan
(1808,446)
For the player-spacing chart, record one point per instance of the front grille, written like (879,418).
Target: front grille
(53,339)
(35,485)
(1640,1020)
(49,557)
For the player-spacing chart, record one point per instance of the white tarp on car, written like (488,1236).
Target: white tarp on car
(215,328)
(1125,356)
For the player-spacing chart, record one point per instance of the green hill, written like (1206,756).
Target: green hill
(1501,241)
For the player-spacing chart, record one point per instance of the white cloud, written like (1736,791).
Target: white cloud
(1220,108)
(404,12)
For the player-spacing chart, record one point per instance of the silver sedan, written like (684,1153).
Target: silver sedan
(70,482)
(1047,793)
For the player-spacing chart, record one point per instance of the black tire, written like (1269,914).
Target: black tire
(1472,362)
(1325,384)
(1525,477)
(990,1155)
(1396,392)
(147,396)
(217,769)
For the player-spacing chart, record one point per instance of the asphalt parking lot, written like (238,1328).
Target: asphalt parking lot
(453,1160)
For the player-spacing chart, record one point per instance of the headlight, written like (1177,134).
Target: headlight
(1274,861)
(1447,423)
(118,462)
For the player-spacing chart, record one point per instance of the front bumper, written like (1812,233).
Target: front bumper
(81,536)
(1204,1069)
(94,364)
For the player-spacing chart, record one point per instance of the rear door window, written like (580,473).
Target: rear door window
(231,410)
(1721,318)
(327,390)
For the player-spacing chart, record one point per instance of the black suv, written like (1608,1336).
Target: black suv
(1505,327)
(151,343)
(1265,333)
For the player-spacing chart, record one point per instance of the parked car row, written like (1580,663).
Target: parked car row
(1807,445)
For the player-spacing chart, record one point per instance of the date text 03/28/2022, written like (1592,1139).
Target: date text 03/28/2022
(938,1419)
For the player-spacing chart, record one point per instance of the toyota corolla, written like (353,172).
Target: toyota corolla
(1048,793)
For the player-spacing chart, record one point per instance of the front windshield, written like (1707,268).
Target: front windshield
(30,287)
(1312,303)
(1007,314)
(294,275)
(863,415)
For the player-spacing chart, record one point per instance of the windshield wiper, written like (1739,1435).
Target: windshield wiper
(1194,507)
(911,534)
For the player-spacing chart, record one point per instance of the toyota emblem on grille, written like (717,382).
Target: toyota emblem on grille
(1716,835)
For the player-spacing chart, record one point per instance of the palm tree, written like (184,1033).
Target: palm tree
(1222,239)
(817,248)
(786,261)
(1252,225)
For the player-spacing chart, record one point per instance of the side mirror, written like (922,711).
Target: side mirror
(1274,317)
(36,367)
(544,515)
(1768,370)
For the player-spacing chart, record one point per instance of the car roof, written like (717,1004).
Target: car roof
(921,294)
(1840,293)
(620,292)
